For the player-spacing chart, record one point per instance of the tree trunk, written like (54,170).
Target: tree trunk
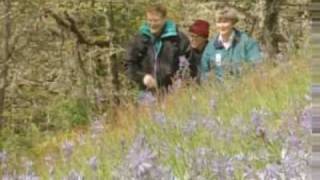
(5,59)
(271,27)
(113,58)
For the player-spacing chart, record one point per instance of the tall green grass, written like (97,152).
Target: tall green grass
(274,89)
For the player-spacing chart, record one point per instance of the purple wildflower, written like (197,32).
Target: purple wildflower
(238,124)
(146,98)
(200,160)
(178,151)
(49,162)
(213,103)
(250,174)
(97,127)
(74,175)
(239,157)
(263,154)
(141,162)
(29,174)
(229,168)
(272,171)
(291,166)
(139,142)
(28,177)
(3,160)
(27,164)
(161,173)
(140,158)
(7,177)
(256,118)
(306,118)
(209,124)
(3,156)
(190,127)
(93,162)
(81,139)
(223,168)
(67,149)
(159,118)
(294,142)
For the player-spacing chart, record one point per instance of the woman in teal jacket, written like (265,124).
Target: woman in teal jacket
(229,49)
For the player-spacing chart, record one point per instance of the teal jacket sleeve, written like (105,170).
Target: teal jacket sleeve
(253,53)
(205,60)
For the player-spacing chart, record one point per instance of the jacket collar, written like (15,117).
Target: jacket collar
(169,30)
(218,44)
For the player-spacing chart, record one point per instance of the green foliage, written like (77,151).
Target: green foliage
(65,113)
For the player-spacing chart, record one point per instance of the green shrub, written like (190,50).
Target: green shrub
(66,113)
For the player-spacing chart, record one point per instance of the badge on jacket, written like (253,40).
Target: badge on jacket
(218,59)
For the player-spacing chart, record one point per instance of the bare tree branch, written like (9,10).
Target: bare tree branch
(70,24)
(73,27)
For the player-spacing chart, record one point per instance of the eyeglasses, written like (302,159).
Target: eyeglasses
(193,36)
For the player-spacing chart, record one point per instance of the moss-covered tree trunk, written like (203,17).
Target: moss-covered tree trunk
(113,57)
(5,58)
(270,29)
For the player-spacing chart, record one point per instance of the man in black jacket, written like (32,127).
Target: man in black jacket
(152,57)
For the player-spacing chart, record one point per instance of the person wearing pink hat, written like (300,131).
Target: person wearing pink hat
(198,35)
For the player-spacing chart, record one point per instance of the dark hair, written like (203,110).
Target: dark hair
(158,8)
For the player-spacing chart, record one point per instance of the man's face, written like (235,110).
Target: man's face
(224,26)
(156,22)
(196,41)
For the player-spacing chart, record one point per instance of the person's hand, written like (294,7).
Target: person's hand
(149,81)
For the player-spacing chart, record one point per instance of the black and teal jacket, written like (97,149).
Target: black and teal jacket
(159,56)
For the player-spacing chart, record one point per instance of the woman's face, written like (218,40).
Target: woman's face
(225,26)
(156,22)
(196,41)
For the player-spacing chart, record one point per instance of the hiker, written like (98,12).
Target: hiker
(229,49)
(199,33)
(152,57)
